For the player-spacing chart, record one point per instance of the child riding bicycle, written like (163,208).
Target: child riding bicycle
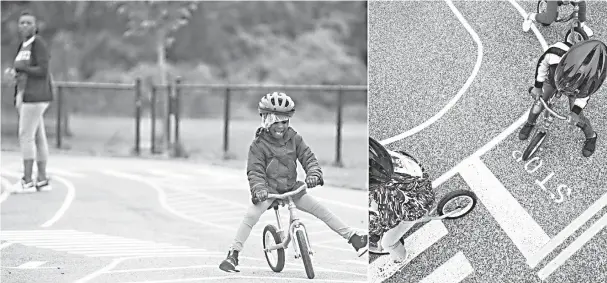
(551,13)
(576,71)
(399,193)
(272,168)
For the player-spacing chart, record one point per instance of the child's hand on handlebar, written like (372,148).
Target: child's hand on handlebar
(260,196)
(536,92)
(312,181)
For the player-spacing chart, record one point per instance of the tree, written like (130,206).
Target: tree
(156,21)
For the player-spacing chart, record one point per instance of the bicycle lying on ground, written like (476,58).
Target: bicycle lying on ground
(575,33)
(275,241)
(542,131)
(453,205)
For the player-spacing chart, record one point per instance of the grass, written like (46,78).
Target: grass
(202,139)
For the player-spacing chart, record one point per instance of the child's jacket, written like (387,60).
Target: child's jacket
(272,163)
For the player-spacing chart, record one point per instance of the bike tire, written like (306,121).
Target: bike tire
(534,145)
(280,261)
(577,30)
(541,8)
(305,253)
(456,194)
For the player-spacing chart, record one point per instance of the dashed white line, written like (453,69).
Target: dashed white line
(454,270)
(31,264)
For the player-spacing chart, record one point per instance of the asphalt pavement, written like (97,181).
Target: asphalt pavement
(135,220)
(451,81)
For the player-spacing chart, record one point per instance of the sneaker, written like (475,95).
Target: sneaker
(589,146)
(525,131)
(44,185)
(359,243)
(527,23)
(587,29)
(230,263)
(21,187)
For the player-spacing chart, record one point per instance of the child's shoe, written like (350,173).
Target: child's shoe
(359,243)
(525,131)
(230,263)
(589,146)
(21,187)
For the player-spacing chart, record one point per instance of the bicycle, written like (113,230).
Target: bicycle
(575,28)
(443,209)
(275,240)
(548,119)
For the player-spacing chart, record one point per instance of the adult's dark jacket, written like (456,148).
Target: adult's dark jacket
(38,87)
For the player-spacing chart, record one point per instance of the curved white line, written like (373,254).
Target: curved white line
(105,269)
(162,199)
(7,189)
(69,198)
(451,103)
(503,135)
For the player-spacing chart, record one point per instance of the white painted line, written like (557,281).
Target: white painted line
(263,268)
(460,93)
(66,173)
(147,250)
(384,267)
(454,270)
(162,199)
(167,174)
(98,272)
(42,232)
(273,278)
(7,187)
(520,227)
(574,247)
(129,254)
(568,231)
(356,207)
(71,192)
(31,264)
(359,262)
(4,245)
(503,135)
(106,248)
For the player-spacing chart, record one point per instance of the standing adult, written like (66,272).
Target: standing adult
(33,94)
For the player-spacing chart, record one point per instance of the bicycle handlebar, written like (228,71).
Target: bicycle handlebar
(291,193)
(552,111)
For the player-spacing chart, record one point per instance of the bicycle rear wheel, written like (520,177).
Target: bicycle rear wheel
(304,249)
(534,145)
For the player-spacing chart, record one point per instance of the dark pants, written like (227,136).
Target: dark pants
(551,13)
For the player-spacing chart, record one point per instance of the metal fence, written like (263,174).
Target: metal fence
(173,94)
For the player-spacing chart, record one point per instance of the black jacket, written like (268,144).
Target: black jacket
(39,86)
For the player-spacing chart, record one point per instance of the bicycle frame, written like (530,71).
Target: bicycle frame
(294,223)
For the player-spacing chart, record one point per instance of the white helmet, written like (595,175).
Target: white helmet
(277,103)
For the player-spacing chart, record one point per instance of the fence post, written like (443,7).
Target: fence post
(178,149)
(226,123)
(153,114)
(59,115)
(338,161)
(169,117)
(138,116)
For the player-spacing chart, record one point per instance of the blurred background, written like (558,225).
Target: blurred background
(190,74)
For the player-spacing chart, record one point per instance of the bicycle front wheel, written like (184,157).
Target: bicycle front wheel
(534,145)
(304,249)
(578,35)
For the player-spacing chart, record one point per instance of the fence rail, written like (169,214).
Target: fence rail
(173,95)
